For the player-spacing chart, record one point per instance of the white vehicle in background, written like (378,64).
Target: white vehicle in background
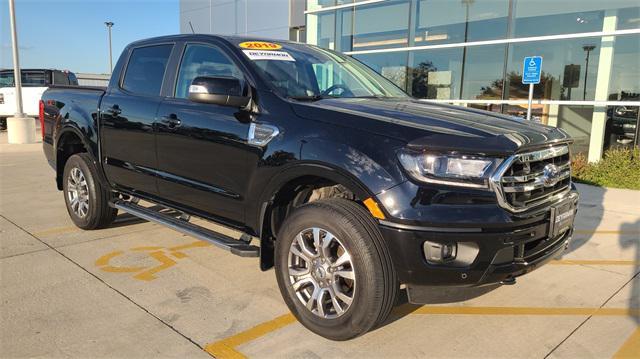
(34,83)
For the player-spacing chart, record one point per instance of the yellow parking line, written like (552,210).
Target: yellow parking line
(596,262)
(630,348)
(225,348)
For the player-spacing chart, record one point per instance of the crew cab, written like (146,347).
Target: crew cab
(34,83)
(350,188)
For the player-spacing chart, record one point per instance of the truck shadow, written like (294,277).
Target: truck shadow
(633,241)
(439,295)
(589,217)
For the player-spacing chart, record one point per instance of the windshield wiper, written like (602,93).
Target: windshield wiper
(308,98)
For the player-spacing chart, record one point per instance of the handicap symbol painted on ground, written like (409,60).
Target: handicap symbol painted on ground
(165,256)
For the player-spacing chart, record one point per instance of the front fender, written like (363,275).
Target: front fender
(377,170)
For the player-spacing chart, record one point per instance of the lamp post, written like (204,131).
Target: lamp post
(109,26)
(20,128)
(588,49)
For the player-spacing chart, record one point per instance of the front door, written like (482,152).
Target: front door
(202,148)
(128,114)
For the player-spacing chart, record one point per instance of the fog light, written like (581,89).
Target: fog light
(438,253)
(452,254)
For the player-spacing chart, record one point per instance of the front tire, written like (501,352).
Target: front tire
(86,199)
(334,269)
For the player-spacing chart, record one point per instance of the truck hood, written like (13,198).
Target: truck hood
(434,126)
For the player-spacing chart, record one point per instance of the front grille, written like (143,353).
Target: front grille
(530,179)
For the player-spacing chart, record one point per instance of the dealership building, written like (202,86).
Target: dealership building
(470,52)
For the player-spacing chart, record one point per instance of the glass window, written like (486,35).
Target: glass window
(483,72)
(145,70)
(321,29)
(73,80)
(319,4)
(446,21)
(60,78)
(576,120)
(567,65)
(392,65)
(624,84)
(629,18)
(203,60)
(435,74)
(316,74)
(29,78)
(344,23)
(550,17)
(382,25)
(620,130)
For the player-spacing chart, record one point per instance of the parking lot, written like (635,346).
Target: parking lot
(137,289)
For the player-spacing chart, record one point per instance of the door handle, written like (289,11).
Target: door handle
(114,110)
(172,121)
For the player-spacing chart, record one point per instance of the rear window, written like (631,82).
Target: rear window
(29,79)
(145,70)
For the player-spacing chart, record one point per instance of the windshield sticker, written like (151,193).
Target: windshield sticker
(268,55)
(260,45)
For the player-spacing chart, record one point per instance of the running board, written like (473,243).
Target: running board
(235,246)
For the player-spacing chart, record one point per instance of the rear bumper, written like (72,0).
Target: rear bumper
(504,252)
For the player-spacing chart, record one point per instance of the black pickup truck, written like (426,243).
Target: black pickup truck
(353,189)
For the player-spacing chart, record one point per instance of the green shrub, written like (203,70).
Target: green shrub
(619,168)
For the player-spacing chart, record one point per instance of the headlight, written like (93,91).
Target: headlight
(449,169)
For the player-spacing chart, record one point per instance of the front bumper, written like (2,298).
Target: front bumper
(509,245)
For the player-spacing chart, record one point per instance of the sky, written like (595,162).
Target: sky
(71,35)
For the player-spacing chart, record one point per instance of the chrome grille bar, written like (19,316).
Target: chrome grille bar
(528,180)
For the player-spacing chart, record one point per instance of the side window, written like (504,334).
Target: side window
(203,60)
(145,70)
(59,78)
(73,80)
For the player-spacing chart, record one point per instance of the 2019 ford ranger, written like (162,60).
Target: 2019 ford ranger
(351,186)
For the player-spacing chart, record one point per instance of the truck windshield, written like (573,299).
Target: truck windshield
(29,79)
(309,73)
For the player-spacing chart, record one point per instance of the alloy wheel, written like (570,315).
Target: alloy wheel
(321,273)
(78,192)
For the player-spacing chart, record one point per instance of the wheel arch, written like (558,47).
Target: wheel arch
(69,142)
(288,188)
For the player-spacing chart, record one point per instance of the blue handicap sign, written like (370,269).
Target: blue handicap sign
(531,70)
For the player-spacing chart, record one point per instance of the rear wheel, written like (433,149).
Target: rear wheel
(86,199)
(334,270)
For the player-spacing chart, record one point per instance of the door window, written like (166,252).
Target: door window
(203,60)
(145,70)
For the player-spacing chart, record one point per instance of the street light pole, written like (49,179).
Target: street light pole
(20,128)
(109,26)
(588,49)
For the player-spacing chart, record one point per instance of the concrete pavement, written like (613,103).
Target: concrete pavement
(140,290)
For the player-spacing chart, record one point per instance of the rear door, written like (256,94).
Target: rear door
(128,113)
(202,148)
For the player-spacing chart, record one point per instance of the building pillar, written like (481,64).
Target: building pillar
(599,119)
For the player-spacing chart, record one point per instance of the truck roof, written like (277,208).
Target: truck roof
(187,37)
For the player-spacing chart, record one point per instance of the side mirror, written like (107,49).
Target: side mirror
(223,91)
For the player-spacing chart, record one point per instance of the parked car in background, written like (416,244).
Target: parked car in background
(621,126)
(34,82)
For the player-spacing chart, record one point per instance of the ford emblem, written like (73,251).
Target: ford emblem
(550,175)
